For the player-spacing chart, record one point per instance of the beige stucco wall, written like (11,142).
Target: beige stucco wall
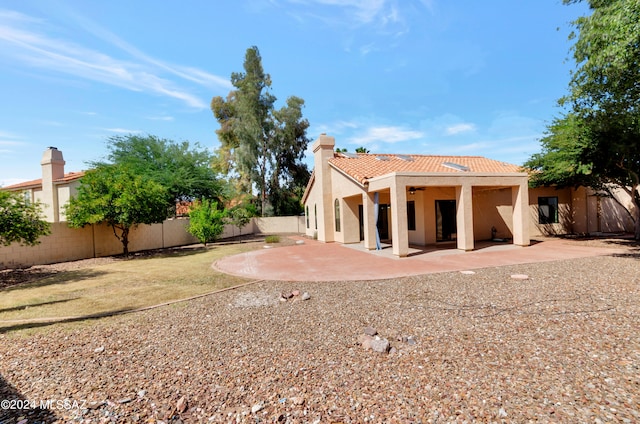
(565,212)
(279,224)
(65,192)
(64,244)
(68,244)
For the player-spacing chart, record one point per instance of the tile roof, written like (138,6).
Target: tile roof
(367,166)
(71,176)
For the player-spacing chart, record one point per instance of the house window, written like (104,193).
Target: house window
(548,210)
(307,216)
(336,206)
(411,215)
(315,214)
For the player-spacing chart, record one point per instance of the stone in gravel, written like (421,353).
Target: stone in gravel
(364,337)
(296,293)
(365,340)
(380,345)
(393,350)
(95,405)
(298,400)
(99,349)
(411,341)
(286,295)
(502,413)
(370,331)
(141,393)
(125,400)
(306,296)
(520,276)
(182,404)
(257,407)
(467,272)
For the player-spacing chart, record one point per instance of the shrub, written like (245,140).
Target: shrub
(272,239)
(206,221)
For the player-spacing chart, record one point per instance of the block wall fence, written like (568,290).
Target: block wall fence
(94,241)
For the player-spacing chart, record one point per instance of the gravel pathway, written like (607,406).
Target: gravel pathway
(562,345)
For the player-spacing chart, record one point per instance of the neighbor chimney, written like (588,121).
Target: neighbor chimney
(52,170)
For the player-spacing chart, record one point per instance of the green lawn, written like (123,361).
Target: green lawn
(120,285)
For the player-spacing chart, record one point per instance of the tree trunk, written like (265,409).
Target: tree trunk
(635,201)
(636,223)
(125,241)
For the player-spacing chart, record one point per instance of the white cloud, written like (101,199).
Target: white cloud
(161,118)
(460,128)
(122,131)
(386,134)
(384,14)
(21,40)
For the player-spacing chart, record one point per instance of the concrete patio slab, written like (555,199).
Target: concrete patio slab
(317,261)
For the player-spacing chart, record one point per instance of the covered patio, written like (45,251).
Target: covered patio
(414,200)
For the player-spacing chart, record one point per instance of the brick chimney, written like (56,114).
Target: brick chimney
(52,169)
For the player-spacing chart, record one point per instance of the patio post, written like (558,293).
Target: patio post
(368,207)
(464,216)
(520,201)
(399,228)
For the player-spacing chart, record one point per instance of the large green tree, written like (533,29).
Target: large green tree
(263,146)
(20,220)
(120,197)
(597,141)
(184,169)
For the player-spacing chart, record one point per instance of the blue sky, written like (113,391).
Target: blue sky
(396,76)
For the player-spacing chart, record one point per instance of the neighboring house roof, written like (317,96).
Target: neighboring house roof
(71,176)
(363,167)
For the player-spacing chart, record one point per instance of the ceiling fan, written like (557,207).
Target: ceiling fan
(412,190)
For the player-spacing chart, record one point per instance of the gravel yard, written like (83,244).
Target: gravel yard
(560,346)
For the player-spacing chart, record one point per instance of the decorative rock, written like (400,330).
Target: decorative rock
(182,404)
(94,405)
(467,272)
(380,345)
(298,400)
(520,277)
(306,296)
(299,241)
(99,349)
(365,340)
(370,331)
(296,293)
(286,295)
(257,407)
(411,341)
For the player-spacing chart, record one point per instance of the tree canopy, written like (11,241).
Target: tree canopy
(263,146)
(185,170)
(120,197)
(596,142)
(20,220)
